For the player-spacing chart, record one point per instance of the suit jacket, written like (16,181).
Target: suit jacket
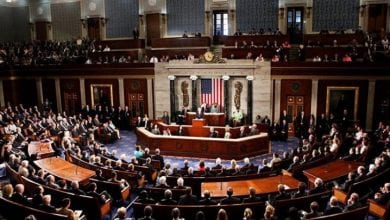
(333,210)
(16,197)
(188,200)
(251,199)
(230,200)
(208,201)
(48,208)
(67,212)
(168,202)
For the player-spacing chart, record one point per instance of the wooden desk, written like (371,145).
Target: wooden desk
(240,187)
(205,147)
(331,171)
(212,119)
(65,170)
(41,149)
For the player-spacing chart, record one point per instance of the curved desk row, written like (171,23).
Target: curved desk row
(204,147)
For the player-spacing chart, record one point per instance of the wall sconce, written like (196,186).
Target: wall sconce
(31,26)
(281,12)
(103,21)
(362,9)
(308,10)
(232,12)
(83,22)
(193,77)
(141,19)
(208,15)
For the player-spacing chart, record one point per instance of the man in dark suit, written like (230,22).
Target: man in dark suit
(313,211)
(318,187)
(295,164)
(167,200)
(207,200)
(147,213)
(75,188)
(199,113)
(230,199)
(283,135)
(252,196)
(384,196)
(265,167)
(282,194)
(188,198)
(213,133)
(353,202)
(334,207)
(157,156)
(301,125)
(135,32)
(139,122)
(18,196)
(46,204)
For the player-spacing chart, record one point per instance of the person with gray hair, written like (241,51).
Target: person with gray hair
(75,188)
(180,183)
(334,207)
(218,164)
(319,187)
(167,200)
(46,204)
(162,183)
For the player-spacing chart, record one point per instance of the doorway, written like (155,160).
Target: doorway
(94,28)
(295,24)
(295,105)
(377,14)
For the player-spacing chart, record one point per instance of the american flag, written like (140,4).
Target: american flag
(212,91)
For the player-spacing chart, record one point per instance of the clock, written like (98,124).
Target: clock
(152,2)
(208,56)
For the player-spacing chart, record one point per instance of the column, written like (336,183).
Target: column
(121,88)
(150,98)
(277,91)
(194,92)
(82,92)
(370,104)
(58,95)
(250,99)
(172,97)
(226,107)
(2,101)
(314,92)
(38,83)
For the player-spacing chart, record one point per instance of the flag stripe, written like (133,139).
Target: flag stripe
(212,91)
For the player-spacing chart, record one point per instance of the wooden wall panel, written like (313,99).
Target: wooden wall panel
(382,102)
(70,95)
(362,103)
(299,87)
(22,91)
(112,82)
(137,87)
(49,93)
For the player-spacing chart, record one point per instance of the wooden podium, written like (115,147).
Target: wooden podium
(198,122)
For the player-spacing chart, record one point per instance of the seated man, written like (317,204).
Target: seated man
(237,117)
(230,199)
(199,113)
(214,108)
(213,133)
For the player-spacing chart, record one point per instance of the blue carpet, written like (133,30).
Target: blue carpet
(126,145)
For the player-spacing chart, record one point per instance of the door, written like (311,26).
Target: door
(41,30)
(94,28)
(377,14)
(295,105)
(153,29)
(295,18)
